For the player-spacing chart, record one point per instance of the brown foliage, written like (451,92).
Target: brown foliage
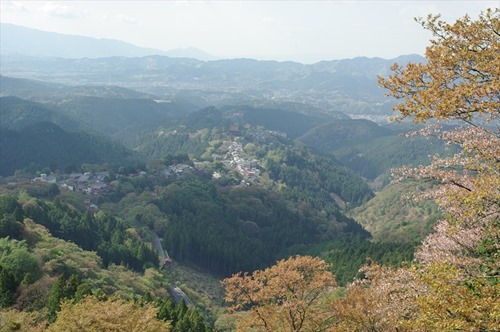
(13,320)
(382,301)
(285,297)
(454,285)
(460,81)
(114,314)
(459,266)
(461,77)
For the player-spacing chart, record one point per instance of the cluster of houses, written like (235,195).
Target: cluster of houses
(88,183)
(178,170)
(234,158)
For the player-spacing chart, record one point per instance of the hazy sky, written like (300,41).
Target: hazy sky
(303,31)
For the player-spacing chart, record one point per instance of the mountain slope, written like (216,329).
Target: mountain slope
(391,217)
(45,144)
(122,118)
(17,113)
(46,91)
(278,118)
(374,157)
(115,117)
(340,133)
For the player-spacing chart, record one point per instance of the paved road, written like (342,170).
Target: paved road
(178,295)
(157,245)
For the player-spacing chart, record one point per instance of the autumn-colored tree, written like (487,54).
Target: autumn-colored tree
(454,284)
(91,314)
(288,296)
(20,321)
(460,78)
(459,264)
(384,300)
(460,81)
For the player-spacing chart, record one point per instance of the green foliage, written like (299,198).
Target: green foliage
(79,273)
(102,233)
(178,159)
(9,205)
(369,149)
(16,263)
(19,113)
(8,286)
(16,259)
(226,230)
(209,117)
(182,318)
(9,227)
(64,288)
(313,179)
(160,145)
(45,144)
(119,117)
(347,255)
(375,157)
(10,216)
(394,216)
(274,119)
(338,134)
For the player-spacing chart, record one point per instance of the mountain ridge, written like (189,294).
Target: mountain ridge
(22,40)
(17,40)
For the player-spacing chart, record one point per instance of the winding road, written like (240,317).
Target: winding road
(177,294)
(157,245)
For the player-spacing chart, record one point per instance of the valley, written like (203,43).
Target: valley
(214,194)
(227,189)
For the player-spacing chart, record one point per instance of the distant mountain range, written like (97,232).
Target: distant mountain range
(18,40)
(346,86)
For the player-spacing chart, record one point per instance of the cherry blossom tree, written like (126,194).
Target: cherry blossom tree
(458,265)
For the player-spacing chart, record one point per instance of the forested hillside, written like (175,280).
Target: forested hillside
(394,215)
(52,257)
(132,190)
(20,113)
(45,145)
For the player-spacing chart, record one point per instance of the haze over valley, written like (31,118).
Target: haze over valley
(155,175)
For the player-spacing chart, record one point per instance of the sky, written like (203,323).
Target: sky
(302,31)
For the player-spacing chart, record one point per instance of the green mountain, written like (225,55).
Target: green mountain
(117,117)
(377,157)
(42,91)
(50,252)
(121,118)
(44,144)
(394,216)
(210,133)
(18,113)
(332,136)
(287,118)
(369,149)
(231,229)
